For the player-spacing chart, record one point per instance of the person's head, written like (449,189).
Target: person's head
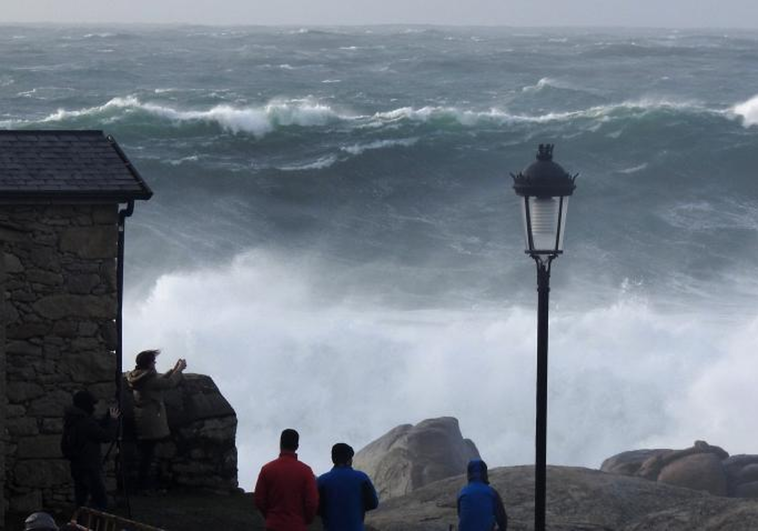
(40,522)
(146,359)
(84,401)
(342,454)
(290,440)
(477,471)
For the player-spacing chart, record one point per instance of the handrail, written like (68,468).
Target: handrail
(94,520)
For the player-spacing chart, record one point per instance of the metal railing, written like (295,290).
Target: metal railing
(93,520)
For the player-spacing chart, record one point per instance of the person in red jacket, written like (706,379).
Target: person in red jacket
(286,492)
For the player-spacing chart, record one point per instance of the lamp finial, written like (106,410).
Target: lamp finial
(545,152)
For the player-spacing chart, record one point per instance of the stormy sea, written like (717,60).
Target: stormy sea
(335,240)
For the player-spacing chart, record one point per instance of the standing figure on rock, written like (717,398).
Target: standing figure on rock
(149,410)
(286,493)
(345,495)
(479,505)
(80,444)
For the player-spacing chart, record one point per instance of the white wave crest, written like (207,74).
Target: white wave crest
(541,84)
(262,120)
(258,121)
(634,169)
(748,111)
(357,149)
(319,164)
(500,116)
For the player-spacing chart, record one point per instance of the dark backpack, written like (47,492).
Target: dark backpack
(70,445)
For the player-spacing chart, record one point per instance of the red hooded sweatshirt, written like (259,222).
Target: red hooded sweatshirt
(286,494)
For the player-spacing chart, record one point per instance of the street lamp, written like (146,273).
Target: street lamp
(545,188)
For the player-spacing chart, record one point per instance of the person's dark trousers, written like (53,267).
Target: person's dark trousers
(146,453)
(89,484)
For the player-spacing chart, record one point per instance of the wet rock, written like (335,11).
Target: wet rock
(409,457)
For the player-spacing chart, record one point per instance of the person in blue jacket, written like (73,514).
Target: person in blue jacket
(479,505)
(345,495)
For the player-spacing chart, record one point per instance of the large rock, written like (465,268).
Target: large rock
(201,452)
(629,463)
(697,471)
(409,457)
(577,499)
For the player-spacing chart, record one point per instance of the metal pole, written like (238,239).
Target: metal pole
(540,460)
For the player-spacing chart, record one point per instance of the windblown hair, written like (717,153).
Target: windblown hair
(146,358)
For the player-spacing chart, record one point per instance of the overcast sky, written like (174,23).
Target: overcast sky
(656,13)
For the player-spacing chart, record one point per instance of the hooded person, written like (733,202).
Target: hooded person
(81,443)
(150,420)
(479,505)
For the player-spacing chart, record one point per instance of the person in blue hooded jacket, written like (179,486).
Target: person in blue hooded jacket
(345,495)
(479,505)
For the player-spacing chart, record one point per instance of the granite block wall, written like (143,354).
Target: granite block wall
(60,304)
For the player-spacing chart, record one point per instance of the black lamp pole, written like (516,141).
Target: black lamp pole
(540,459)
(545,188)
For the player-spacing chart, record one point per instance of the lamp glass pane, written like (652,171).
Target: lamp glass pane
(564,209)
(524,207)
(544,222)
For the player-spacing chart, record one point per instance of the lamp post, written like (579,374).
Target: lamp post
(545,188)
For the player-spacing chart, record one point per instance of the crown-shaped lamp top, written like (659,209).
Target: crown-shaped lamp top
(544,177)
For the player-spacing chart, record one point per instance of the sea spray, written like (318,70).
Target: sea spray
(344,257)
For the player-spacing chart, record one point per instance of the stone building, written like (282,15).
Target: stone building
(64,197)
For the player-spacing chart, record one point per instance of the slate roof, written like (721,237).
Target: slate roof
(59,166)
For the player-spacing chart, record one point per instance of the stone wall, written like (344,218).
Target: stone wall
(60,309)
(201,452)
(2,383)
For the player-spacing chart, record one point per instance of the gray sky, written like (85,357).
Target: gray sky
(669,13)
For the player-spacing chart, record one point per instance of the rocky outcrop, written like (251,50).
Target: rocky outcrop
(409,457)
(577,499)
(201,452)
(701,467)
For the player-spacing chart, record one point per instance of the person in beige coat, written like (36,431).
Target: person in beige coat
(147,386)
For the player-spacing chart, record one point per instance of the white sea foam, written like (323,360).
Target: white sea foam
(546,82)
(748,111)
(258,121)
(357,149)
(634,169)
(264,119)
(470,117)
(98,35)
(179,162)
(644,376)
(318,164)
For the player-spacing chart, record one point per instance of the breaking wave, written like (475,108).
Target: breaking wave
(257,121)
(748,111)
(265,119)
(357,149)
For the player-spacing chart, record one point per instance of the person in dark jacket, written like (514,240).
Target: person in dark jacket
(479,505)
(149,410)
(82,437)
(345,495)
(286,493)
